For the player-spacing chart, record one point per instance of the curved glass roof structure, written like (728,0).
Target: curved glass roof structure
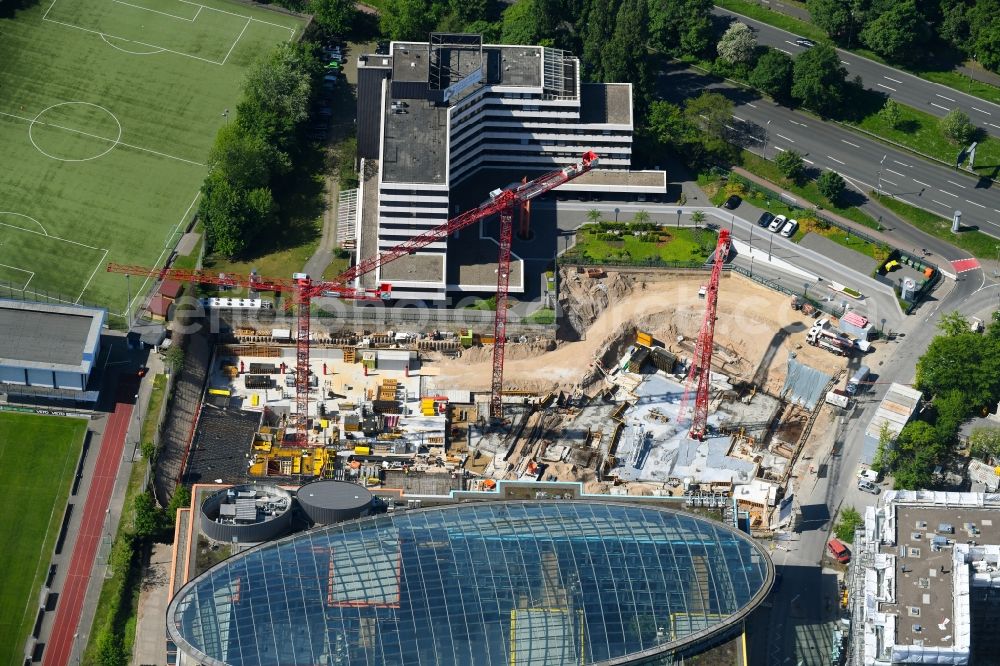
(486,584)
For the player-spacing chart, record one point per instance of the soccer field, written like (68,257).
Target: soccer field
(107,111)
(38,456)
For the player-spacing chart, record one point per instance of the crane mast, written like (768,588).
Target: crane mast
(303,289)
(700,372)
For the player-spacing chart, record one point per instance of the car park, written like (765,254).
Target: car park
(806,43)
(790,227)
(777,223)
(765,219)
(732,202)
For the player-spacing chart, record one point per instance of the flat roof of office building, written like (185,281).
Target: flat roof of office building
(606,103)
(43,336)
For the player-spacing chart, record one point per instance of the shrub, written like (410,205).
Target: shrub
(957,126)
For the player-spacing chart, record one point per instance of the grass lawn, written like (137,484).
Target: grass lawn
(108,109)
(156,397)
(961,82)
(919,131)
(336,267)
(777,19)
(672,245)
(38,457)
(840,237)
(758,166)
(973,241)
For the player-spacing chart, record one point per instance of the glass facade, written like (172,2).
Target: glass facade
(483,584)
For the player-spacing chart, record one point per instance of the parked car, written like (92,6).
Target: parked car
(867,486)
(806,43)
(732,202)
(777,223)
(838,551)
(790,227)
(765,219)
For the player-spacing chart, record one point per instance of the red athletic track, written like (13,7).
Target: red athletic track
(60,645)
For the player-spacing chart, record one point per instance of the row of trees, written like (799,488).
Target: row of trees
(902,30)
(960,371)
(254,152)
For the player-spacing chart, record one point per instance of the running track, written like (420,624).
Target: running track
(60,645)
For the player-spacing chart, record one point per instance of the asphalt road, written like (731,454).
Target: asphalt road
(766,128)
(903,87)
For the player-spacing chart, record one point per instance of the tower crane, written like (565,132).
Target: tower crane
(304,289)
(700,371)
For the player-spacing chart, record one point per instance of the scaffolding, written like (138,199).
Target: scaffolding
(558,74)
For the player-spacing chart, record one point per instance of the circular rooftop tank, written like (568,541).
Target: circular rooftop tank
(249,513)
(328,502)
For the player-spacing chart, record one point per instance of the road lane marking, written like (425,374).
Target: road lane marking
(919,183)
(892,79)
(780,148)
(808,161)
(956,184)
(981,111)
(784,50)
(786,138)
(940,204)
(940,107)
(943,97)
(886,180)
(752,106)
(849,143)
(836,160)
(886,87)
(996,211)
(975,204)
(895,172)
(902,164)
(739,119)
(844,62)
(795,122)
(992,125)
(948,193)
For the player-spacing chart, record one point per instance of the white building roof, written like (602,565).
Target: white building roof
(897,407)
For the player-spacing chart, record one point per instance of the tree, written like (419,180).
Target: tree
(173,359)
(111,651)
(624,57)
(773,75)
(982,20)
(985,443)
(953,323)
(276,93)
(596,31)
(880,461)
(640,217)
(850,521)
(334,17)
(738,44)
(791,164)
(681,27)
(711,112)
(148,520)
(952,409)
(833,16)
(698,217)
(890,113)
(181,499)
(831,185)
(819,80)
(594,215)
(897,33)
(408,19)
(148,451)
(521,23)
(957,127)
(966,362)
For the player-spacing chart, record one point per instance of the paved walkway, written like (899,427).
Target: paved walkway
(150,648)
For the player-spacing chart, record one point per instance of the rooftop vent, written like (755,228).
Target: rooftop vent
(914,552)
(913,611)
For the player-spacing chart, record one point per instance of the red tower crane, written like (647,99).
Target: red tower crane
(700,371)
(304,289)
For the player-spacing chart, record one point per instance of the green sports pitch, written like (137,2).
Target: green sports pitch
(108,109)
(38,457)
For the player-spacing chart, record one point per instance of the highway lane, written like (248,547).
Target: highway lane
(766,128)
(901,86)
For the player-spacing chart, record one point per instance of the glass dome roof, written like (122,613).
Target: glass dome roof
(483,584)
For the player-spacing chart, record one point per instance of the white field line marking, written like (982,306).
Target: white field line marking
(886,87)
(836,160)
(64,240)
(198,13)
(886,180)
(895,172)
(892,79)
(157,51)
(996,211)
(948,193)
(940,204)
(956,184)
(134,41)
(940,107)
(87,283)
(243,16)
(238,37)
(795,122)
(920,183)
(943,97)
(104,138)
(974,203)
(981,111)
(27,217)
(849,143)
(48,10)
(155,11)
(31,274)
(902,164)
(786,138)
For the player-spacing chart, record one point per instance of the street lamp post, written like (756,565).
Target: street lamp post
(679,212)
(225,114)
(617,210)
(766,126)
(769,244)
